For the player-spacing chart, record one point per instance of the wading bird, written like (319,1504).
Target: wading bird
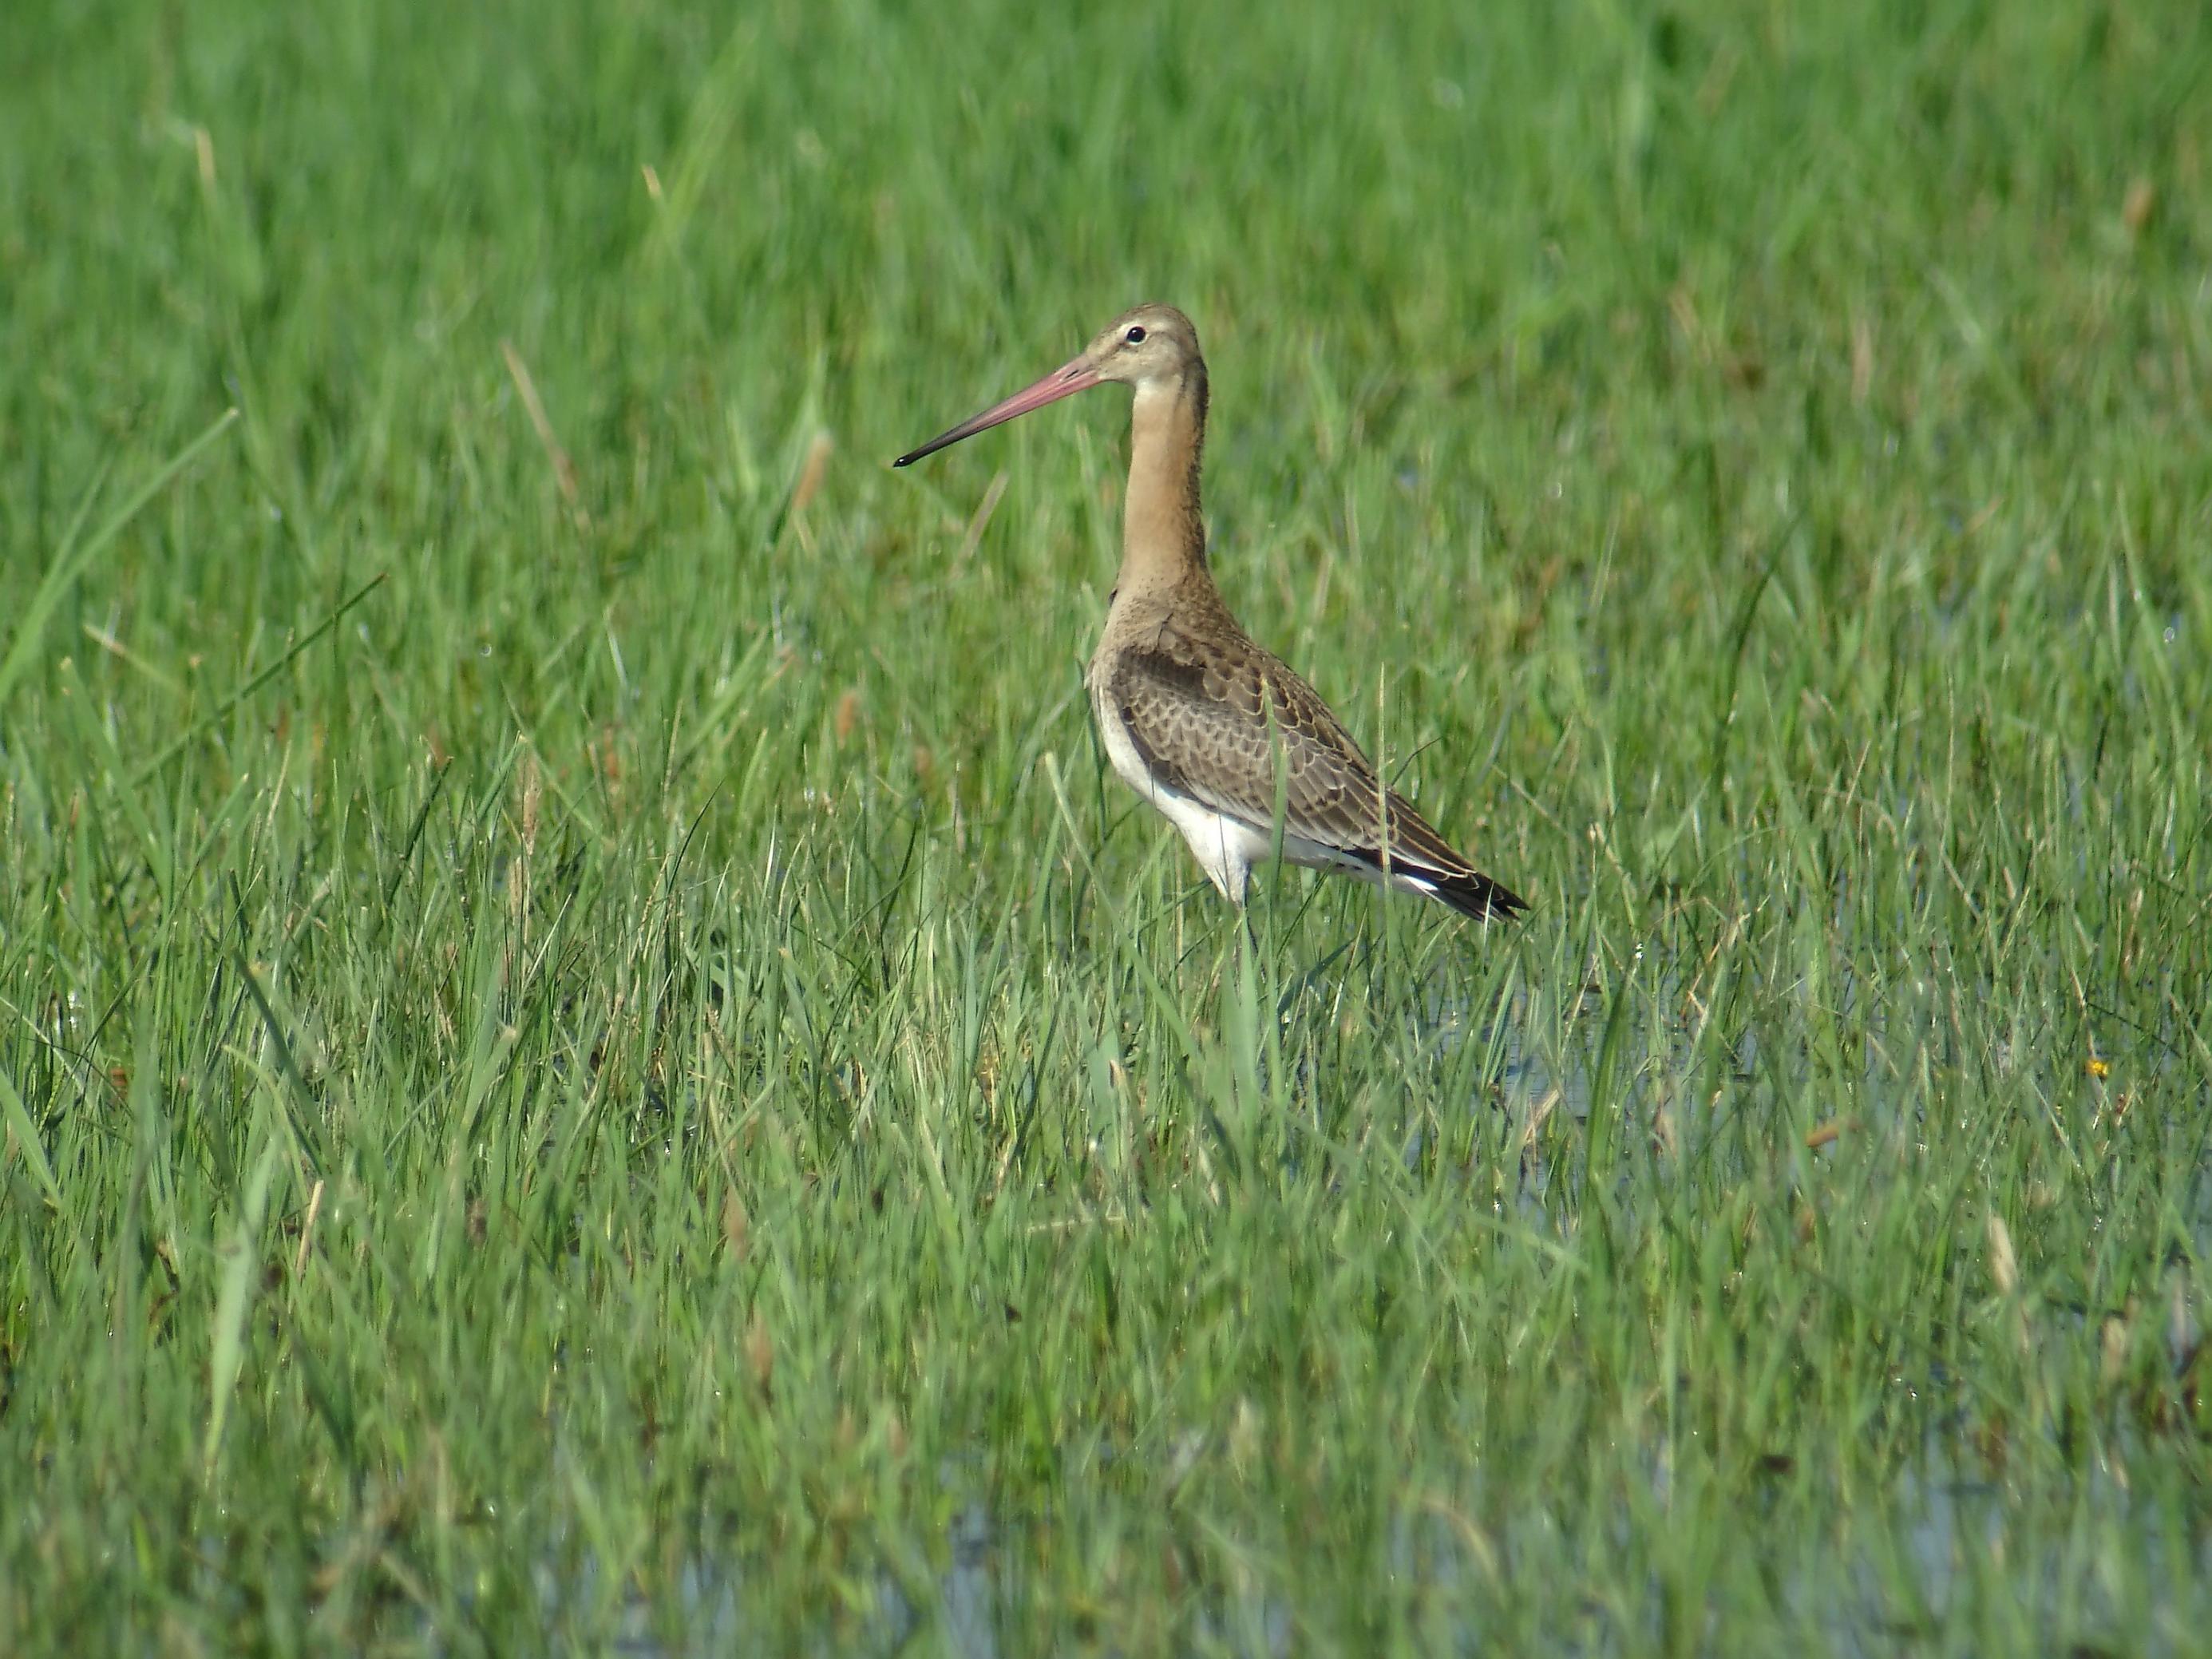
(1215,732)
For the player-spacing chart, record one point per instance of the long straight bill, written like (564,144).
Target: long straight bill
(1063,382)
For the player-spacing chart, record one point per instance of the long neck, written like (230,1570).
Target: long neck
(1163,530)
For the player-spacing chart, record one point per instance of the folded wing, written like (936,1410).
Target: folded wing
(1239,731)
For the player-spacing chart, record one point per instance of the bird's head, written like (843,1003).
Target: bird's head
(1147,347)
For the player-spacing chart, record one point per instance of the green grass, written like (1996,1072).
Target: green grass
(588,1050)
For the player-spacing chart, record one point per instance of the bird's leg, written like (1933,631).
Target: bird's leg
(1244,915)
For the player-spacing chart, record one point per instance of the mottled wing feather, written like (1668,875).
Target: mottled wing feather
(1231,726)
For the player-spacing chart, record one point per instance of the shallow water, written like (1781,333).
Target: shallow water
(1911,1569)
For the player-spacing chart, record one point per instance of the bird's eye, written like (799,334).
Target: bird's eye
(1135,335)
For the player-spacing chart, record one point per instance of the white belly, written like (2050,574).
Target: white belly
(1226,848)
